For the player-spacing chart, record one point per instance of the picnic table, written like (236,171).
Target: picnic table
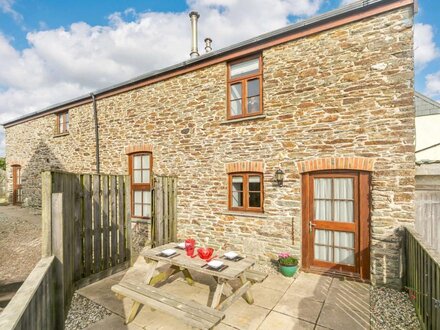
(140,286)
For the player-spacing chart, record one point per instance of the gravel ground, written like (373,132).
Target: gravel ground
(84,312)
(20,248)
(392,309)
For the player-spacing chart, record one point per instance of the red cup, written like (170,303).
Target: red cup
(189,246)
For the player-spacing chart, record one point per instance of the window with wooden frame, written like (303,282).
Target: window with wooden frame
(62,122)
(246,192)
(140,166)
(16,184)
(245,87)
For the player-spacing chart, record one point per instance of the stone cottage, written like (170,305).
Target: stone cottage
(298,140)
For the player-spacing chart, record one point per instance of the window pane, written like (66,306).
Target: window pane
(323,188)
(145,176)
(146,210)
(138,196)
(236,92)
(138,210)
(323,209)
(344,239)
(253,87)
(323,237)
(145,161)
(323,253)
(137,176)
(147,197)
(254,199)
(344,211)
(237,183)
(344,256)
(237,199)
(137,162)
(236,108)
(254,183)
(343,188)
(245,68)
(253,104)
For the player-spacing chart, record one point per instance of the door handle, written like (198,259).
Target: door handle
(311,225)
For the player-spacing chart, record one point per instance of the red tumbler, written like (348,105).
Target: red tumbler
(189,246)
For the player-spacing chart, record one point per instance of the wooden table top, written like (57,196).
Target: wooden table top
(234,270)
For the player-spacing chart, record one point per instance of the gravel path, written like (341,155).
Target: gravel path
(84,312)
(20,248)
(392,309)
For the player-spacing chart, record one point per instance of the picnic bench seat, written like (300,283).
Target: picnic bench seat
(191,312)
(255,276)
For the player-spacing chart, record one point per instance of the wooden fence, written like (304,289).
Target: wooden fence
(86,236)
(428,216)
(33,306)
(164,225)
(423,279)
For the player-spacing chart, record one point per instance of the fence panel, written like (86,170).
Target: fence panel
(423,278)
(33,306)
(164,226)
(428,216)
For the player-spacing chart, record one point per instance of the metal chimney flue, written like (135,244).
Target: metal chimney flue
(208,47)
(194,16)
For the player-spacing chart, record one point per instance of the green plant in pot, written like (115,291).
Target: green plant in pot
(288,265)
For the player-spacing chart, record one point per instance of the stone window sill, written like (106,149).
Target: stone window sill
(61,134)
(231,121)
(140,220)
(244,214)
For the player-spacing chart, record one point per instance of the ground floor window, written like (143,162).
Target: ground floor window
(246,192)
(140,165)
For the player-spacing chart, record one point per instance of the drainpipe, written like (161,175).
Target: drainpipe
(95,117)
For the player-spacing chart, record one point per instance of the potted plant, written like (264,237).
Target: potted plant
(288,264)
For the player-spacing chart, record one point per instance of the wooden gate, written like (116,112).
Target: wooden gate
(164,224)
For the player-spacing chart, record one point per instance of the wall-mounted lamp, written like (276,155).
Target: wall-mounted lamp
(279,177)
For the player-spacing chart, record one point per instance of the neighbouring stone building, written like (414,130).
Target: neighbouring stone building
(329,101)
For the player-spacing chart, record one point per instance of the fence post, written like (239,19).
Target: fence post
(127,186)
(46,214)
(58,252)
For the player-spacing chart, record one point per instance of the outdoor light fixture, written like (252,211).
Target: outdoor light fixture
(279,177)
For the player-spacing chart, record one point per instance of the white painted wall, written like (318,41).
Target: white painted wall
(428,134)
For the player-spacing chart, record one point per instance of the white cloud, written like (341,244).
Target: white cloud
(433,84)
(425,49)
(6,7)
(70,61)
(347,2)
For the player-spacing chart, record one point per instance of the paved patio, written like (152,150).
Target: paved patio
(308,302)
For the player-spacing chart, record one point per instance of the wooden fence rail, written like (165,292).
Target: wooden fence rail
(423,278)
(33,306)
(164,225)
(428,216)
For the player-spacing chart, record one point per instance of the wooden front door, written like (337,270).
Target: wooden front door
(16,184)
(336,223)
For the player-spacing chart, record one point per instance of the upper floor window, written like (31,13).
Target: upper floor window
(140,170)
(245,88)
(63,122)
(246,192)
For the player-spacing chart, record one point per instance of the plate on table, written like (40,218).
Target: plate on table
(168,252)
(181,245)
(233,256)
(216,264)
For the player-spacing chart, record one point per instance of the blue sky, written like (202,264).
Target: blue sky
(54,50)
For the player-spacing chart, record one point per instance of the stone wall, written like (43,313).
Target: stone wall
(346,92)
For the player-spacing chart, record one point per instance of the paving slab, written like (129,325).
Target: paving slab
(277,282)
(241,315)
(155,320)
(113,322)
(335,317)
(265,297)
(307,309)
(348,300)
(275,321)
(306,286)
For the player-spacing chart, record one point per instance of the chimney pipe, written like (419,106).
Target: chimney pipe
(208,46)
(194,16)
